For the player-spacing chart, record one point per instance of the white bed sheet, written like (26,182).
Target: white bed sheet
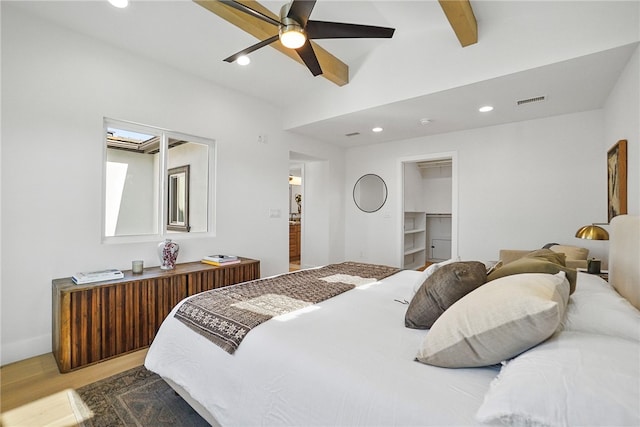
(346,361)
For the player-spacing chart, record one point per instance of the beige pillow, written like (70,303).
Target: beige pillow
(497,321)
(571,252)
(507,256)
(549,255)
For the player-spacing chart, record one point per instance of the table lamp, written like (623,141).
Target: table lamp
(593,232)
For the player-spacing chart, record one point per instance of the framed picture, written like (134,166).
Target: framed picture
(617,179)
(178,199)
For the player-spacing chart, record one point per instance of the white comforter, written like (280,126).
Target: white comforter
(346,361)
(350,361)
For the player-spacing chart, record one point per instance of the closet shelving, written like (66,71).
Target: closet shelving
(415,228)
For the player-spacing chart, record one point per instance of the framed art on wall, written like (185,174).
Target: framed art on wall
(617,179)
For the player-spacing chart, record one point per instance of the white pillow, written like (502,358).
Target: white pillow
(497,321)
(573,379)
(596,307)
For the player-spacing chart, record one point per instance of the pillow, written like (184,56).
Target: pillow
(549,255)
(507,256)
(493,267)
(439,291)
(597,308)
(571,252)
(497,321)
(573,379)
(429,271)
(534,264)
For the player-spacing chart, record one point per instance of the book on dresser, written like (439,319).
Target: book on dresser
(97,276)
(219,260)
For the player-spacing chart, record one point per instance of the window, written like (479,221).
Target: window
(156,182)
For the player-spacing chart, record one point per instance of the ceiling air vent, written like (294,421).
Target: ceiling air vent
(530,100)
(352,134)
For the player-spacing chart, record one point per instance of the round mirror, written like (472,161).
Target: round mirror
(370,193)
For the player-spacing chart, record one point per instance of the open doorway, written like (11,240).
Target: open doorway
(317,209)
(429,215)
(295,215)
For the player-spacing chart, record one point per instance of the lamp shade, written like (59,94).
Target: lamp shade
(592,232)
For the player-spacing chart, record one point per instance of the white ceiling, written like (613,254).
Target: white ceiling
(186,36)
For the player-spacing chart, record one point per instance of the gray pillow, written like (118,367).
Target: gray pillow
(441,290)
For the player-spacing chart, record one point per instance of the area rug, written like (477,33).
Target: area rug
(136,397)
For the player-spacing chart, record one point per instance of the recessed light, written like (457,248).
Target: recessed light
(243,60)
(119,3)
(377,129)
(485,109)
(425,121)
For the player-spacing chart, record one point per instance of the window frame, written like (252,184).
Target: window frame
(161,231)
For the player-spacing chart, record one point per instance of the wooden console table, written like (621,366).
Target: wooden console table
(101,320)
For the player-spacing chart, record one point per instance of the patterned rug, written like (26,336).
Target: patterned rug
(136,397)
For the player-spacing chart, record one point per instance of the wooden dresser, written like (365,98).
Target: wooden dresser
(294,242)
(98,321)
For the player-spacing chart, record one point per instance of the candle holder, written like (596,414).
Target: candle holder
(137,267)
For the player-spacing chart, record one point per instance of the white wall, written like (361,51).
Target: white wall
(520,185)
(622,121)
(56,88)
(137,203)
(436,184)
(196,156)
(414,195)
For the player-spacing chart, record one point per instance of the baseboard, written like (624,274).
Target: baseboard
(24,349)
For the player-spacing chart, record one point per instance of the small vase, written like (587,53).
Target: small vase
(168,253)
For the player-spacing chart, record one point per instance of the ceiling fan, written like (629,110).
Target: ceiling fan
(295,30)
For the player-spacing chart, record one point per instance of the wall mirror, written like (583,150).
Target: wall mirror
(370,193)
(178,199)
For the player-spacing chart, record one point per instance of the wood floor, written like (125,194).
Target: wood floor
(38,377)
(294,266)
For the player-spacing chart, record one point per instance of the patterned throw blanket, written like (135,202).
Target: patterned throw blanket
(226,315)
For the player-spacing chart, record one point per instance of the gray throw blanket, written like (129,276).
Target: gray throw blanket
(226,315)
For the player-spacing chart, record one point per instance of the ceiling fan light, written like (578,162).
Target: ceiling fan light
(292,36)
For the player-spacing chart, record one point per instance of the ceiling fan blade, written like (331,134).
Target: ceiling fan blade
(248,10)
(309,58)
(300,10)
(339,30)
(253,48)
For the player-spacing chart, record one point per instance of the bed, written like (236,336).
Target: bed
(350,359)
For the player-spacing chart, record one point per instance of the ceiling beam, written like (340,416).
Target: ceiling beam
(333,69)
(462,20)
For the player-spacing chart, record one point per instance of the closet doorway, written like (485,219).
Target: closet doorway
(429,216)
